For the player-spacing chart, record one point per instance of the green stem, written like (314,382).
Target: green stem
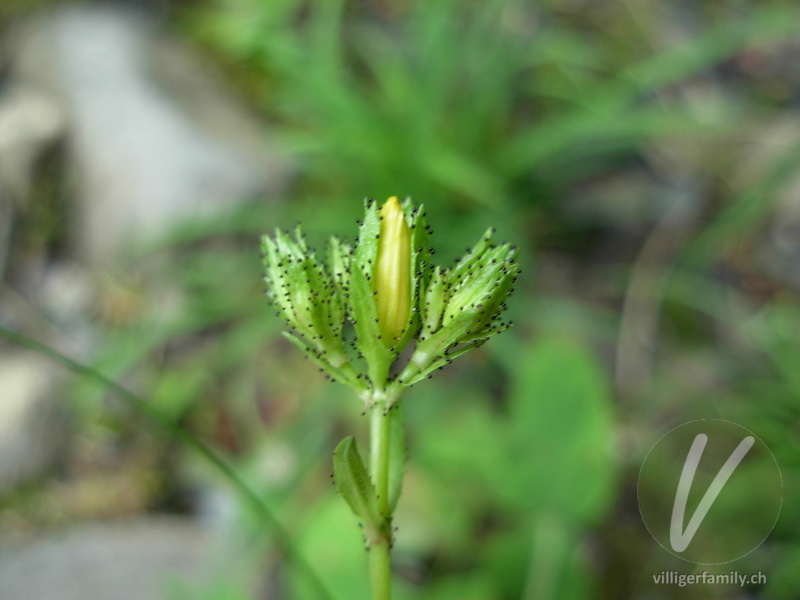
(380,434)
(380,572)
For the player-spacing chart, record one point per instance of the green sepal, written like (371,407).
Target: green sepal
(339,264)
(338,260)
(432,305)
(304,293)
(420,260)
(353,483)
(484,286)
(367,246)
(337,373)
(368,334)
(411,331)
(473,255)
(290,291)
(420,250)
(445,359)
(488,331)
(433,347)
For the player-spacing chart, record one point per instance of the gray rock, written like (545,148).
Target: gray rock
(32,426)
(30,120)
(112,561)
(154,138)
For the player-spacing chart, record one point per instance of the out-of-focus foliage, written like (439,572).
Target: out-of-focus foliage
(624,145)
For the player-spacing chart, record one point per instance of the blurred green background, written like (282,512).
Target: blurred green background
(642,155)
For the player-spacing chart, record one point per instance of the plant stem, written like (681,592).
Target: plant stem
(379,564)
(380,431)
(380,570)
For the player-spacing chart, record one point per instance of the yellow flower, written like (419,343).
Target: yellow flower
(392,275)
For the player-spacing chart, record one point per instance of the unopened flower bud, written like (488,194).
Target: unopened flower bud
(304,293)
(392,275)
(391,294)
(463,305)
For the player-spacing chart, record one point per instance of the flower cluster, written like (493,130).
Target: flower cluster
(386,287)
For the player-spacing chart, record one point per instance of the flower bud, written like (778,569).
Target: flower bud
(305,294)
(387,288)
(392,274)
(463,305)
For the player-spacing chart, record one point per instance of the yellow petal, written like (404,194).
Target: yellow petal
(392,275)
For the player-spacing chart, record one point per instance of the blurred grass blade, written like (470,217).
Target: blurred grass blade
(765,23)
(609,113)
(752,205)
(190,441)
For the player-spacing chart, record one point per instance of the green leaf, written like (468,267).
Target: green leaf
(353,483)
(562,436)
(325,537)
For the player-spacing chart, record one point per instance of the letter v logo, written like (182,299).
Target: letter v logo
(679,538)
(701,510)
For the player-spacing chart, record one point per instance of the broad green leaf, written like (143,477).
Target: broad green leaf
(327,538)
(563,438)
